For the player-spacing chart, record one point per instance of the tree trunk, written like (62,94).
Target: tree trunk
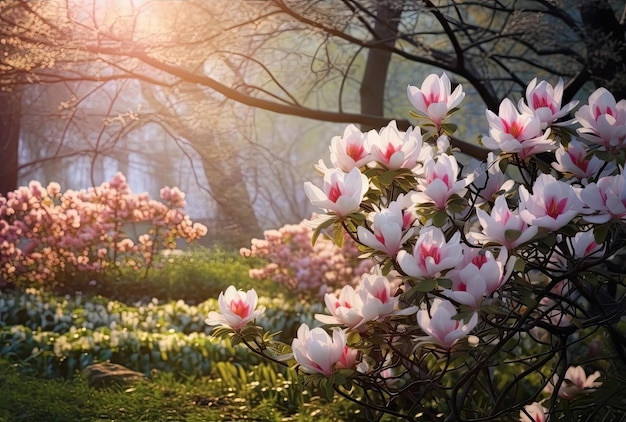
(377,66)
(236,222)
(10,115)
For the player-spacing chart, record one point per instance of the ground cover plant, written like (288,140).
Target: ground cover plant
(497,292)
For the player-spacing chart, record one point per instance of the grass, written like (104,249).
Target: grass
(28,398)
(193,278)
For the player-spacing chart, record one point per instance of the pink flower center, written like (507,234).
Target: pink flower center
(334,193)
(239,307)
(579,160)
(461,287)
(479,260)
(434,97)
(514,129)
(430,251)
(598,112)
(543,101)
(355,151)
(382,295)
(389,152)
(554,208)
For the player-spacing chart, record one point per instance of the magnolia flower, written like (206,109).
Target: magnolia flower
(349,151)
(439,325)
(389,228)
(342,194)
(603,120)
(488,180)
(575,383)
(432,254)
(534,412)
(237,308)
(552,204)
(606,198)
(583,245)
(516,133)
(439,181)
(573,160)
(434,99)
(318,353)
(504,226)
(372,299)
(544,101)
(345,309)
(394,149)
(478,275)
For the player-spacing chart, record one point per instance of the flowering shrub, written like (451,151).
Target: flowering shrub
(305,266)
(504,291)
(46,235)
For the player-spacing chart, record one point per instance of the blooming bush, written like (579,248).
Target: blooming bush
(304,266)
(47,236)
(504,291)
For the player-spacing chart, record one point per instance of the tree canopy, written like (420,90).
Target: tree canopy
(344,61)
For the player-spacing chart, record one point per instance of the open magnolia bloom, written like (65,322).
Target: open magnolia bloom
(575,383)
(435,98)
(439,325)
(342,193)
(317,352)
(237,309)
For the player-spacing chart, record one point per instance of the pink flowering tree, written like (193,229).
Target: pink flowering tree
(308,268)
(496,291)
(47,236)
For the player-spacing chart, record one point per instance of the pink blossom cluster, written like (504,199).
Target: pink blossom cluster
(470,257)
(45,233)
(294,261)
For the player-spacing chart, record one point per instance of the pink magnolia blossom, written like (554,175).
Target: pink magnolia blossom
(389,229)
(583,245)
(438,181)
(350,150)
(435,98)
(552,204)
(346,309)
(478,276)
(342,194)
(534,412)
(370,300)
(504,226)
(572,160)
(606,199)
(544,101)
(432,254)
(394,149)
(488,180)
(237,308)
(575,383)
(516,133)
(317,352)
(603,120)
(439,325)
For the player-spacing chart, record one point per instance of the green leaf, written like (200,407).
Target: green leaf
(427,285)
(439,219)
(322,226)
(600,233)
(512,235)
